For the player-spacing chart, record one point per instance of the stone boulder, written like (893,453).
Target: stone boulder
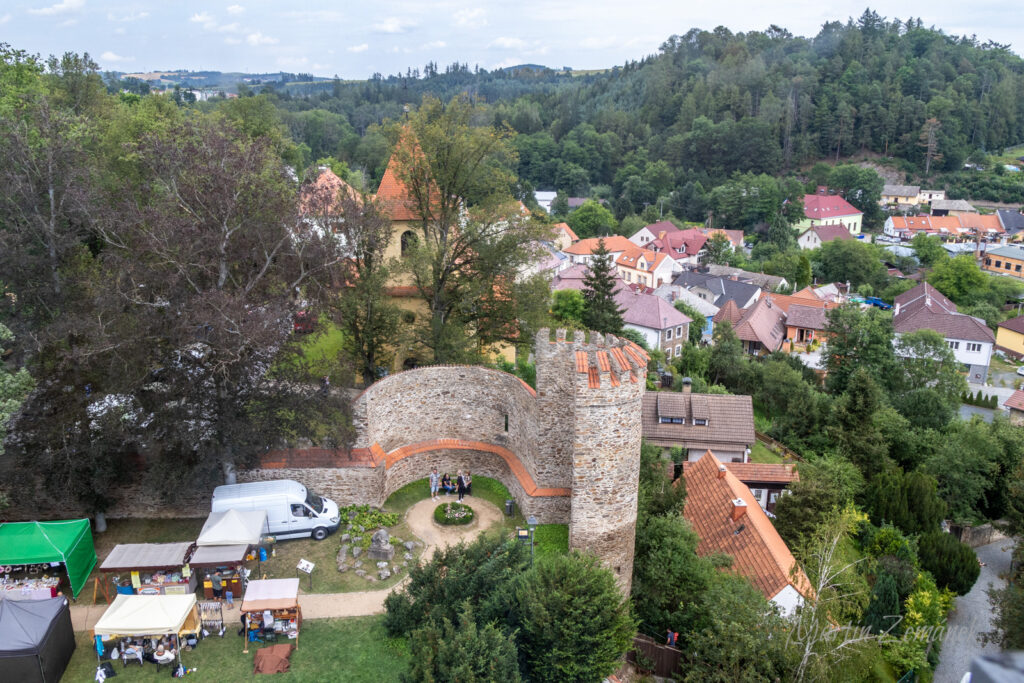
(409,545)
(342,557)
(384,574)
(380,546)
(356,551)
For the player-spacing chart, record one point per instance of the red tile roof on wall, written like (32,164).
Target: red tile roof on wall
(763,322)
(830,233)
(758,552)
(818,206)
(564,227)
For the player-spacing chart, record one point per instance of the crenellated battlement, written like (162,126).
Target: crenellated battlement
(598,361)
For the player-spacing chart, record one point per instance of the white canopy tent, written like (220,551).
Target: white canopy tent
(233,527)
(147,615)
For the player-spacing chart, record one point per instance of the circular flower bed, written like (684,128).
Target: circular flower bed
(453,513)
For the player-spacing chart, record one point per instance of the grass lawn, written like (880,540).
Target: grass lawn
(491,490)
(763,454)
(551,539)
(355,650)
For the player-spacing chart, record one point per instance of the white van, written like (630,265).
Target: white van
(292,510)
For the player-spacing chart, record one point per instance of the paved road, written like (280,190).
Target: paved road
(972,615)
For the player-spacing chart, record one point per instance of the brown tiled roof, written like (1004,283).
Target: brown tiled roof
(1016,400)
(806,317)
(729,313)
(830,233)
(757,550)
(917,296)
(758,472)
(730,420)
(925,308)
(1014,324)
(763,322)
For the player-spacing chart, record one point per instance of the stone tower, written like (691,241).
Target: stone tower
(589,413)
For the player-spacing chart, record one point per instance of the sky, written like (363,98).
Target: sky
(356,39)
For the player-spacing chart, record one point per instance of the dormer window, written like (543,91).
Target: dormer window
(671,420)
(700,422)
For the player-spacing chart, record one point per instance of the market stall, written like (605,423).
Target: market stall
(272,611)
(141,621)
(32,553)
(150,569)
(224,544)
(36,640)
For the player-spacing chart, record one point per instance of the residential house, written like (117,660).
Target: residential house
(951,207)
(735,237)
(728,520)
(961,226)
(830,209)
(766,481)
(805,324)
(970,339)
(649,233)
(1010,337)
(718,290)
(580,252)
(1015,404)
(673,293)
(644,267)
(762,329)
(563,236)
(985,225)
(769,283)
(1005,260)
(817,235)
(929,196)
(899,194)
(1011,221)
(729,313)
(544,199)
(697,423)
(682,246)
(661,324)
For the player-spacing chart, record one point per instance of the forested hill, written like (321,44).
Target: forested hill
(711,103)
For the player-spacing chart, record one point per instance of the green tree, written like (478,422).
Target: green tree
(953,564)
(850,261)
(573,621)
(719,249)
(857,435)
(473,239)
(697,321)
(592,220)
(14,387)
(925,361)
(467,653)
(928,249)
(568,306)
(958,278)
(560,205)
(601,312)
(806,507)
(727,361)
(965,465)
(882,614)
(857,340)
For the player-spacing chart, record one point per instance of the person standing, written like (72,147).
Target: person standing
(460,484)
(435,481)
(217,584)
(469,483)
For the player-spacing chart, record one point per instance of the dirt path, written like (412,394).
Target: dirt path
(420,518)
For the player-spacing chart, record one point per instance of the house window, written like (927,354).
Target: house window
(1008,265)
(679,349)
(670,420)
(999,264)
(668,352)
(1017,267)
(955,345)
(700,422)
(758,494)
(668,334)
(679,331)
(973,348)
(988,262)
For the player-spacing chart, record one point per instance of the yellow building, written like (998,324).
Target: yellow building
(1010,337)
(1005,260)
(900,194)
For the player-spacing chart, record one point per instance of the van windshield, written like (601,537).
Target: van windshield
(314,501)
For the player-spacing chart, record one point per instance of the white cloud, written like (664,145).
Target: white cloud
(233,27)
(508,43)
(235,9)
(362,47)
(433,45)
(596,43)
(59,8)
(314,15)
(4,19)
(233,41)
(470,18)
(131,16)
(109,56)
(258,38)
(204,18)
(393,25)
(68,22)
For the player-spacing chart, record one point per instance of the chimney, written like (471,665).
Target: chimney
(739,508)
(721,471)
(687,385)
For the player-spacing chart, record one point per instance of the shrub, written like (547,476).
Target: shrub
(368,517)
(953,564)
(465,653)
(453,514)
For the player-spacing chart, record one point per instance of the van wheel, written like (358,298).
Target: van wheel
(319,533)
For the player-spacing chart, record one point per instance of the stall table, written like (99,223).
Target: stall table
(152,568)
(228,559)
(150,616)
(279,598)
(67,543)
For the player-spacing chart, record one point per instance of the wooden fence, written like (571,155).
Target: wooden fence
(660,659)
(787,454)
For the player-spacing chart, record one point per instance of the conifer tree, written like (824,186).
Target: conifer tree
(601,312)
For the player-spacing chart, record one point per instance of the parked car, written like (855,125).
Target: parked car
(293,511)
(877,303)
(1020,371)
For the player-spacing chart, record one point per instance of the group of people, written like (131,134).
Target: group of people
(463,485)
(163,653)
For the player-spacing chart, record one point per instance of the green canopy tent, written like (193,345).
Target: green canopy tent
(69,542)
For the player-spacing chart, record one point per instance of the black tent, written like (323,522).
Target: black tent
(36,639)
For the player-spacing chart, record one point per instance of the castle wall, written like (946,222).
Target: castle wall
(556,408)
